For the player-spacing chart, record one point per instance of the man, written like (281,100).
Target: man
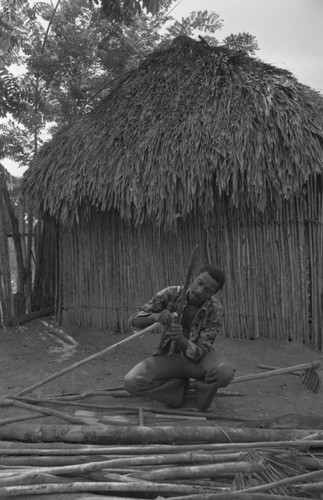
(164,376)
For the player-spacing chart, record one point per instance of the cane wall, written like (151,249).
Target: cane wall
(273,264)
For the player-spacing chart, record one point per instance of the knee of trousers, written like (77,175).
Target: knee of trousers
(130,383)
(225,372)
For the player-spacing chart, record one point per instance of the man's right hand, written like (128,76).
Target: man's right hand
(164,318)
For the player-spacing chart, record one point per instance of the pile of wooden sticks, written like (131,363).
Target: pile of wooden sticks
(197,471)
(134,452)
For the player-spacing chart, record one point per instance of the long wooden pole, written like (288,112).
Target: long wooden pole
(70,449)
(138,486)
(150,329)
(278,371)
(153,329)
(46,411)
(112,434)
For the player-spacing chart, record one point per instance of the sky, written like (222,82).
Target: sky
(289,34)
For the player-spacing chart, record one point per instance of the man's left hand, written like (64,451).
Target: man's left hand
(222,376)
(176,333)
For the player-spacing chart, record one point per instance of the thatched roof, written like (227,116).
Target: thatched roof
(190,122)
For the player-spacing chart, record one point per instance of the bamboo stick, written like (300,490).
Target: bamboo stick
(315,263)
(14,445)
(210,471)
(81,496)
(19,418)
(46,411)
(47,461)
(138,435)
(53,448)
(279,371)
(37,478)
(137,487)
(234,495)
(221,393)
(281,274)
(118,462)
(189,414)
(58,374)
(303,279)
(310,487)
(54,470)
(80,395)
(291,249)
(175,458)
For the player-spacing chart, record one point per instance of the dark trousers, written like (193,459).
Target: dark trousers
(164,378)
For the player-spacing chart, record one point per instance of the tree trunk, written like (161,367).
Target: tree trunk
(45,264)
(28,265)
(6,296)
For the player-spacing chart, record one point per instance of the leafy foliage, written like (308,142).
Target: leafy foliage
(123,11)
(9,93)
(72,66)
(204,22)
(242,41)
(15,142)
(12,30)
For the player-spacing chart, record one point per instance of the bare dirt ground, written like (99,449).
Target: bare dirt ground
(32,351)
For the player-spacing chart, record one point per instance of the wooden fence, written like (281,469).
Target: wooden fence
(273,263)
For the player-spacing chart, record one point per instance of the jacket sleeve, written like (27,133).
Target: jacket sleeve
(156,304)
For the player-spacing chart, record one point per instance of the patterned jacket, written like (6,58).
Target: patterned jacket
(206,324)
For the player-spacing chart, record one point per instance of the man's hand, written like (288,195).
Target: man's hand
(223,375)
(164,318)
(212,376)
(176,333)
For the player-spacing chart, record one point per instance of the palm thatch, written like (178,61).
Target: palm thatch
(192,123)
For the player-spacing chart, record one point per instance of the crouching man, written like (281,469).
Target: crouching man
(164,376)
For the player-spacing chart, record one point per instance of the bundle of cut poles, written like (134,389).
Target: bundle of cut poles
(128,452)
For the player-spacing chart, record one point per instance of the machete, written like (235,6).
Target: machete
(184,293)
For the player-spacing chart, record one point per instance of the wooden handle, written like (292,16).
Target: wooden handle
(149,329)
(184,293)
(279,371)
(172,347)
(270,367)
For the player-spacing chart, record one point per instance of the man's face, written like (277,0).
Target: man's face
(202,289)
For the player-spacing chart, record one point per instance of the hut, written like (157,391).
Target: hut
(198,145)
